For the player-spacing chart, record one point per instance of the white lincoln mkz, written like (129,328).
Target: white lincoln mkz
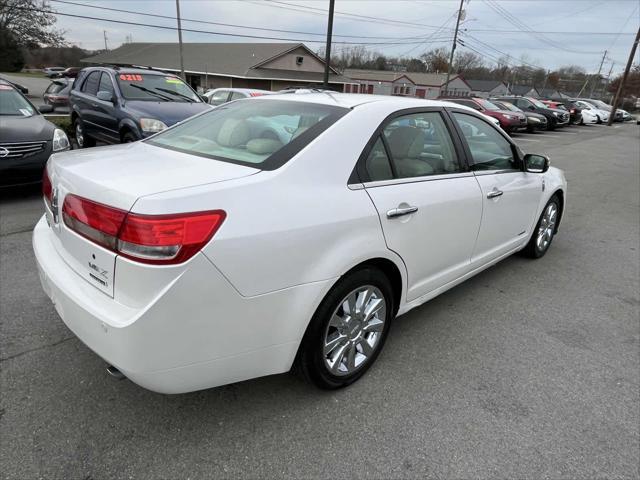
(285,230)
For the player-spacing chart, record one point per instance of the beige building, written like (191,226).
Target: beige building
(267,66)
(412,84)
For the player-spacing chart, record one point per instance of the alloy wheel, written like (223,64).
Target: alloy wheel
(354,331)
(547,226)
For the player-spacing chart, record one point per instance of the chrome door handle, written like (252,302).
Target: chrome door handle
(400,211)
(494,193)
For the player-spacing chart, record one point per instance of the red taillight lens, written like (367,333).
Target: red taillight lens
(167,238)
(157,239)
(95,221)
(47,189)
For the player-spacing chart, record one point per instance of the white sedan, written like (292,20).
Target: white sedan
(203,255)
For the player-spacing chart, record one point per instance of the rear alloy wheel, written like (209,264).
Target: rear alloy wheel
(82,139)
(545,230)
(348,330)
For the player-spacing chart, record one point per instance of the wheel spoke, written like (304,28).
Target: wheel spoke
(338,321)
(332,344)
(336,360)
(375,325)
(351,358)
(349,304)
(372,308)
(363,299)
(367,350)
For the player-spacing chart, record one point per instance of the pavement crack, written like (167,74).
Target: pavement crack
(16,232)
(19,354)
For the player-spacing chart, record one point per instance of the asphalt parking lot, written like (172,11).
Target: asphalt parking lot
(529,370)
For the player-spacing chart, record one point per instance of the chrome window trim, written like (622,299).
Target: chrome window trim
(400,181)
(495,172)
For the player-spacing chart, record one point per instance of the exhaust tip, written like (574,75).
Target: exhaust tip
(114,372)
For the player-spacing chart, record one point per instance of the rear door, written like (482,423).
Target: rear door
(428,202)
(104,112)
(510,195)
(86,102)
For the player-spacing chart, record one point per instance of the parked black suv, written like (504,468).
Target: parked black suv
(555,118)
(119,105)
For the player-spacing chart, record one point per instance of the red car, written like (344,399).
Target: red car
(509,121)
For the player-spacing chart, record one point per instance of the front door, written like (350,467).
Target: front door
(510,195)
(428,203)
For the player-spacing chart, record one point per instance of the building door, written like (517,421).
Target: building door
(420,92)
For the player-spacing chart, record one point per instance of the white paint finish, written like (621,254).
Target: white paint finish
(240,308)
(435,242)
(507,219)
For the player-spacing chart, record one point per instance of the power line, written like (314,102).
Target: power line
(207,22)
(226,34)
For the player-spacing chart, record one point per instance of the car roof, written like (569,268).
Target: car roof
(241,90)
(351,100)
(145,71)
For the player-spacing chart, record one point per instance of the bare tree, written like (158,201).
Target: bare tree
(29,23)
(436,60)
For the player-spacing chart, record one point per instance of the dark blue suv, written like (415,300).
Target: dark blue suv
(119,105)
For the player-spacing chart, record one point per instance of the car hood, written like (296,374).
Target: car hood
(120,174)
(25,129)
(167,112)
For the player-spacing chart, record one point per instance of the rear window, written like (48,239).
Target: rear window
(56,87)
(262,134)
(156,88)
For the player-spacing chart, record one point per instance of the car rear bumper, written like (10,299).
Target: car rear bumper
(197,333)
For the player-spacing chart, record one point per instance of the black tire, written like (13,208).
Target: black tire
(534,248)
(310,361)
(82,139)
(531,129)
(129,137)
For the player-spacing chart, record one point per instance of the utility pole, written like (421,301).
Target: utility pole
(180,39)
(104,33)
(593,86)
(623,80)
(546,77)
(604,87)
(327,53)
(453,48)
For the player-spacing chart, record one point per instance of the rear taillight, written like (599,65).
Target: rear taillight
(155,239)
(47,189)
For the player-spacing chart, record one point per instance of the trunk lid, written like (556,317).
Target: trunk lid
(117,176)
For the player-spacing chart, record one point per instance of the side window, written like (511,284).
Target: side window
(237,95)
(90,85)
(419,145)
(106,85)
(377,163)
(219,98)
(489,149)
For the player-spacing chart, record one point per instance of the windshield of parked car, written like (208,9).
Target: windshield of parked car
(13,103)
(509,106)
(258,133)
(537,103)
(156,88)
(600,104)
(486,104)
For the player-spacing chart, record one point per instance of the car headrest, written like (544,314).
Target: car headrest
(404,141)
(263,146)
(233,133)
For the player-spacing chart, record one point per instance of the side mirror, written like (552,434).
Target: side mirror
(105,96)
(536,163)
(45,109)
(531,107)
(204,98)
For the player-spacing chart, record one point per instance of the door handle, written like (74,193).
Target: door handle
(400,211)
(494,193)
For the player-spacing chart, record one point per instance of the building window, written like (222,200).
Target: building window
(299,60)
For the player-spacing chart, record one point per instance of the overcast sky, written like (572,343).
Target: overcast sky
(573,31)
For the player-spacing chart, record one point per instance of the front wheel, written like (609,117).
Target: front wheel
(348,330)
(545,230)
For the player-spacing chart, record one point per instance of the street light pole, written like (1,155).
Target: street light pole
(623,80)
(453,49)
(180,39)
(327,53)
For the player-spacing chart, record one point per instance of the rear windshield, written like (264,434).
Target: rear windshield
(257,133)
(56,87)
(13,103)
(154,87)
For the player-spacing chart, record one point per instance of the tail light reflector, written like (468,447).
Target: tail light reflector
(154,239)
(47,189)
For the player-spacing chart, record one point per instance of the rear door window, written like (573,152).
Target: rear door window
(236,96)
(90,85)
(220,97)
